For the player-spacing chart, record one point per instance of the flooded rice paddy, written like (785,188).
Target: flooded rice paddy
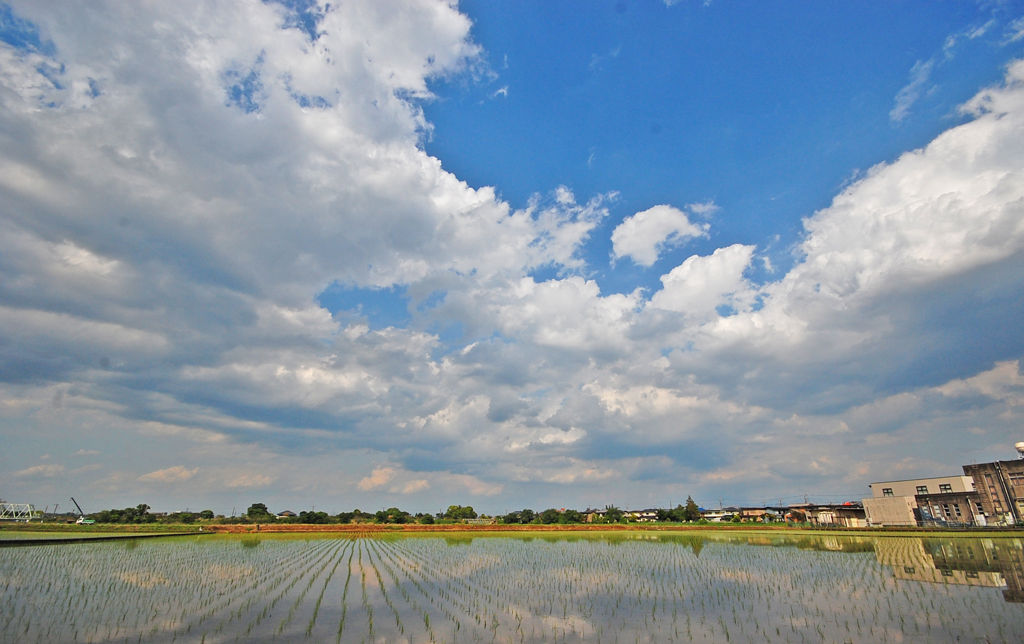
(610,588)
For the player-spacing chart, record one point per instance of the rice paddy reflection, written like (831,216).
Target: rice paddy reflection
(616,587)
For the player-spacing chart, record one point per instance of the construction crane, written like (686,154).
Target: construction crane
(81,515)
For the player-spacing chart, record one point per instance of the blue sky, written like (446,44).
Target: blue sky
(506,254)
(767,109)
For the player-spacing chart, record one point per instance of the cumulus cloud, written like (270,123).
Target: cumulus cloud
(881,265)
(1004,382)
(413,487)
(381,476)
(700,285)
(175,474)
(645,235)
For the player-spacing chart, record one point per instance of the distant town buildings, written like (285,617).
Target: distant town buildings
(1000,486)
(988,494)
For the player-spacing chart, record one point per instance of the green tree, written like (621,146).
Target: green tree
(392,515)
(612,514)
(206,514)
(138,514)
(259,512)
(549,516)
(571,516)
(459,512)
(691,512)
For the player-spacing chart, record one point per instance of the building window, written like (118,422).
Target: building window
(1017,478)
(922,489)
(956,510)
(886,491)
(945,488)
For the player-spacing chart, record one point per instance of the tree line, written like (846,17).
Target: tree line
(141,514)
(259,513)
(611,514)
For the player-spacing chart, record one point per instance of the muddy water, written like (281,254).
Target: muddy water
(622,587)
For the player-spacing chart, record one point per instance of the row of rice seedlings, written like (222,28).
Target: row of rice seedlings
(232,605)
(77,594)
(344,597)
(107,591)
(260,605)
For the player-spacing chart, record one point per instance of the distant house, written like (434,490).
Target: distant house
(287,514)
(642,515)
(849,514)
(763,514)
(720,515)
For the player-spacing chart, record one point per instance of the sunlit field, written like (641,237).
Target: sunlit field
(614,588)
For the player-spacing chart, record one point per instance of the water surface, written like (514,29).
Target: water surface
(615,587)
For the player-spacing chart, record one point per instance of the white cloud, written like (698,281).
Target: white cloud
(1015,31)
(248,480)
(645,235)
(37,471)
(418,485)
(700,285)
(1004,382)
(704,209)
(879,268)
(944,209)
(381,476)
(175,474)
(920,73)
